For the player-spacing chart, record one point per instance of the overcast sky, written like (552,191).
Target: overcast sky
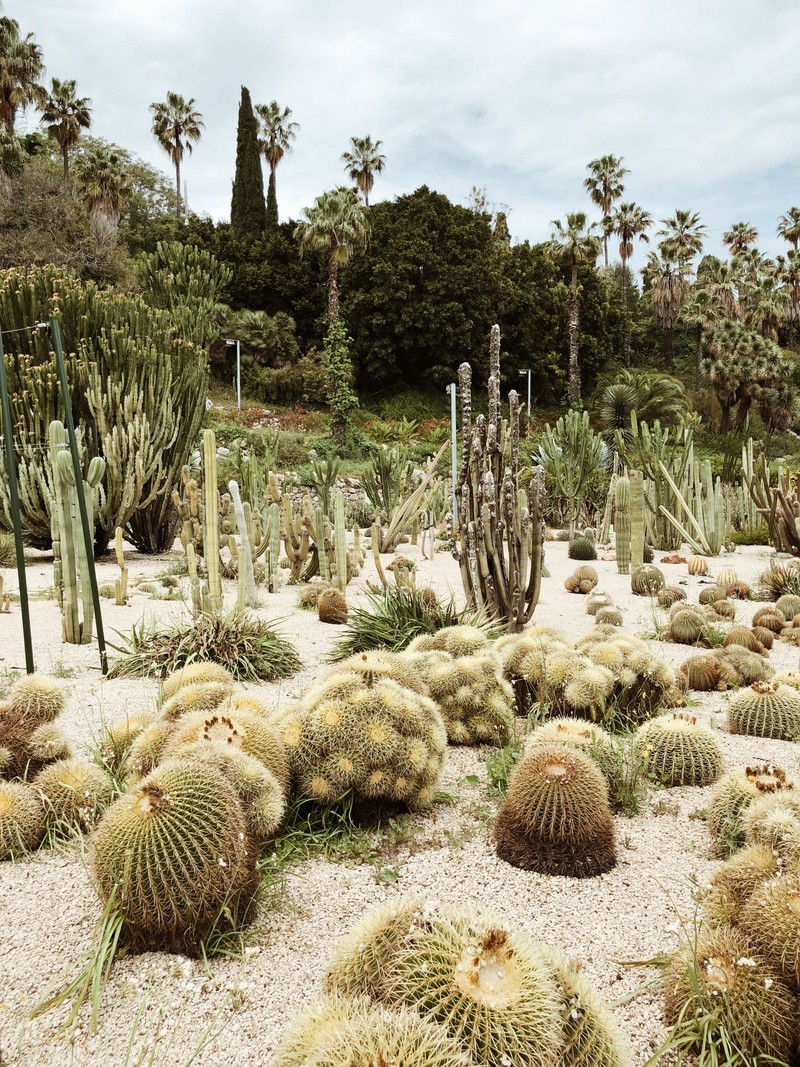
(700,97)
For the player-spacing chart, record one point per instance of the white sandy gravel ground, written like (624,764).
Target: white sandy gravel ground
(159,1009)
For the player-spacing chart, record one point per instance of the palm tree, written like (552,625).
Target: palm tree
(277,134)
(739,237)
(104,183)
(362,162)
(10,160)
(627,222)
(64,116)
(176,125)
(788,269)
(665,277)
(21,67)
(605,186)
(572,244)
(336,224)
(789,227)
(684,235)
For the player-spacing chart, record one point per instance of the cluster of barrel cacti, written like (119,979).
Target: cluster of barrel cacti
(43,787)
(582,580)
(434,985)
(724,668)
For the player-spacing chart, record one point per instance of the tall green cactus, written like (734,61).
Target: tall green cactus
(211,521)
(622,524)
(637,518)
(701,517)
(779,504)
(570,454)
(247,596)
(339,542)
(70,565)
(500,545)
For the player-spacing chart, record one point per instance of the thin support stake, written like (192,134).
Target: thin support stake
(76,468)
(13,492)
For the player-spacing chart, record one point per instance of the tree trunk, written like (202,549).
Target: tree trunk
(333,290)
(178,190)
(669,347)
(698,355)
(626,334)
(65,155)
(725,418)
(574,366)
(605,250)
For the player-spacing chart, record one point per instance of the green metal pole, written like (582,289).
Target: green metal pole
(76,468)
(13,492)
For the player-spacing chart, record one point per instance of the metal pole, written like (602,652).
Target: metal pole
(76,469)
(452,389)
(238,376)
(13,492)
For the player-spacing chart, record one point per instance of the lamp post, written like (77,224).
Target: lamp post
(452,389)
(230,344)
(522,374)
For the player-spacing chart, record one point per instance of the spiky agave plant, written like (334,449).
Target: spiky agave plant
(171,854)
(492,989)
(556,818)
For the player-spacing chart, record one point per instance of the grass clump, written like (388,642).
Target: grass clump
(250,648)
(399,614)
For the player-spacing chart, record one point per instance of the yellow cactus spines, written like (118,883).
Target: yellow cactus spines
(556,818)
(74,794)
(587,737)
(492,989)
(678,750)
(735,881)
(766,709)
(377,664)
(193,674)
(116,740)
(260,792)
(455,640)
(773,820)
(340,1032)
(771,922)
(473,697)
(172,853)
(375,738)
(232,729)
(146,750)
(22,820)
(720,973)
(732,795)
(36,698)
(195,696)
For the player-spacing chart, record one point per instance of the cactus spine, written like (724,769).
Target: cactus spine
(210,524)
(622,525)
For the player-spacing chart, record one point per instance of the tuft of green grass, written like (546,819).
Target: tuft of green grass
(8,550)
(250,648)
(397,615)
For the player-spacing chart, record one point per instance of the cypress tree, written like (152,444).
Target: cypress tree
(248,210)
(272,202)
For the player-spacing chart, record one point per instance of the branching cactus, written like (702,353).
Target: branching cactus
(70,565)
(779,505)
(622,524)
(637,519)
(500,545)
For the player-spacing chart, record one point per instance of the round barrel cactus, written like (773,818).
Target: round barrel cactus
(455,640)
(679,751)
(766,709)
(74,793)
(771,923)
(22,821)
(731,796)
(733,883)
(475,701)
(647,580)
(193,674)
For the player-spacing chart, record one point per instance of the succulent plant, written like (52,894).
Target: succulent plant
(711,594)
(770,921)
(36,698)
(375,738)
(230,728)
(741,635)
(610,616)
(669,595)
(679,751)
(591,1036)
(731,796)
(582,548)
(455,640)
(647,580)
(22,822)
(596,601)
(770,618)
(74,794)
(261,794)
(332,606)
(766,709)
(722,609)
(750,667)
(737,591)
(172,853)
(587,737)
(727,578)
(556,817)
(791,678)
(474,699)
(146,750)
(765,637)
(788,605)
(492,989)
(194,674)
(779,579)
(339,1032)
(706,674)
(196,696)
(733,883)
(402,668)
(773,820)
(687,626)
(116,740)
(718,973)
(28,741)
(698,565)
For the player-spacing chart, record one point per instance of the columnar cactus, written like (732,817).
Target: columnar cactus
(637,519)
(556,818)
(500,527)
(622,525)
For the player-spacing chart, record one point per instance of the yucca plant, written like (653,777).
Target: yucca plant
(250,648)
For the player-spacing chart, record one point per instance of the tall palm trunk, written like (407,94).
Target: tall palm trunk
(626,332)
(333,290)
(178,189)
(65,157)
(574,367)
(669,346)
(698,355)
